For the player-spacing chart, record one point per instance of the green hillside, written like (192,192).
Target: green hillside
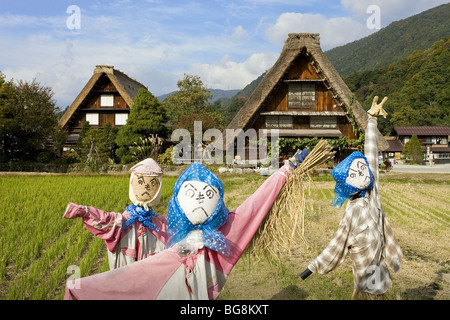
(396,41)
(417,87)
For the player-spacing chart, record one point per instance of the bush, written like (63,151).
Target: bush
(387,165)
(413,151)
(45,156)
(165,159)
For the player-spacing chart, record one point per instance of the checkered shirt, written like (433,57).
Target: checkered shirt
(365,234)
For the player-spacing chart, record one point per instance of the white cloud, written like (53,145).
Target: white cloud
(227,74)
(239,34)
(23,21)
(333,31)
(390,10)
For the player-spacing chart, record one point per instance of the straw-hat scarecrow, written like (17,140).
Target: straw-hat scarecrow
(364,231)
(206,240)
(136,233)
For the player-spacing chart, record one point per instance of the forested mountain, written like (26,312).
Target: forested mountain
(417,87)
(217,94)
(396,41)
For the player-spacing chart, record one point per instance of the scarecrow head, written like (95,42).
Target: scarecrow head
(352,176)
(145,183)
(197,205)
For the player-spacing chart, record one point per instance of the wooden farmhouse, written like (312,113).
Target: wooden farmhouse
(433,139)
(106,98)
(302,96)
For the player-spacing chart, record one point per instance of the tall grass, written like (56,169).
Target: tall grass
(38,244)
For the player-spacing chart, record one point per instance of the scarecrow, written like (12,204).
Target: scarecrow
(136,233)
(364,231)
(206,240)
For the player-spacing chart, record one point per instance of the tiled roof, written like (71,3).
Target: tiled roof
(394,146)
(422,131)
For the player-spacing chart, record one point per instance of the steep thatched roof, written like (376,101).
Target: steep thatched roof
(126,86)
(307,44)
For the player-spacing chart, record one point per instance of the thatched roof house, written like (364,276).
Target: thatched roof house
(106,98)
(302,95)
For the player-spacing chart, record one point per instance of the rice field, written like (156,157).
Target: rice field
(38,246)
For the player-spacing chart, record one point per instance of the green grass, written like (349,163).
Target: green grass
(37,244)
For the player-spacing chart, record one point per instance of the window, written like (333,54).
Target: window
(92,118)
(107,100)
(285,122)
(121,119)
(279,122)
(301,95)
(323,122)
(271,122)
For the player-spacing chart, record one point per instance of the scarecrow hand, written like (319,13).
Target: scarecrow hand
(74,211)
(305,274)
(298,158)
(376,108)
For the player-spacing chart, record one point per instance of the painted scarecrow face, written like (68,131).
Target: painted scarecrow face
(198,200)
(358,174)
(145,187)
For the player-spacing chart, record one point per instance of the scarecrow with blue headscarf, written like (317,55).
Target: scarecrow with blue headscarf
(205,242)
(136,233)
(364,231)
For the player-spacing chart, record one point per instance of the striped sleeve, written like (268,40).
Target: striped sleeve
(392,250)
(334,254)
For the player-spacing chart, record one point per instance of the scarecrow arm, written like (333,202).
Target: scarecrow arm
(244,221)
(104,225)
(298,158)
(333,255)
(305,274)
(376,108)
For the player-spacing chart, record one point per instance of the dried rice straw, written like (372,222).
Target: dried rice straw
(283,226)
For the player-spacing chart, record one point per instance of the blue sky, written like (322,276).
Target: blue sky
(227,43)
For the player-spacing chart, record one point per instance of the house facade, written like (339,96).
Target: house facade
(433,139)
(106,98)
(303,96)
(394,152)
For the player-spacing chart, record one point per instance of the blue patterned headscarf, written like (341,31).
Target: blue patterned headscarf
(342,189)
(138,213)
(179,224)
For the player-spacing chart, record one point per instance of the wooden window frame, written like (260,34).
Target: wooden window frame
(105,100)
(279,122)
(96,118)
(323,122)
(120,115)
(301,95)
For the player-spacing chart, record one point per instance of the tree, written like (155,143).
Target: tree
(191,97)
(417,87)
(27,119)
(190,103)
(412,150)
(96,147)
(110,135)
(147,118)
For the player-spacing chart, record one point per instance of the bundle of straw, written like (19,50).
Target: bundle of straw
(283,226)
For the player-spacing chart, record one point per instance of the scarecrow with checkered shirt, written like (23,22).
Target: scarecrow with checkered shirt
(364,231)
